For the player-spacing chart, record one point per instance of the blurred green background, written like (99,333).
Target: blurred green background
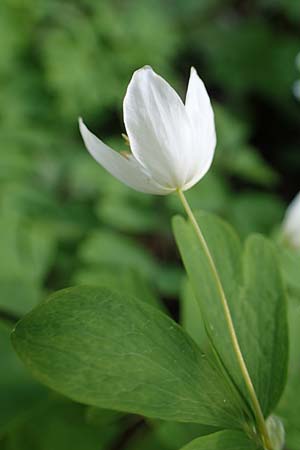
(64,221)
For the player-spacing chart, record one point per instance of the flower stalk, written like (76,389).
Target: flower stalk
(261,424)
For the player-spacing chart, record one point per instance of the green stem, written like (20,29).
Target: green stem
(236,347)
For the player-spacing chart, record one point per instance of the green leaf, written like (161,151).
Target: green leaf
(111,249)
(290,263)
(174,435)
(253,212)
(143,438)
(27,248)
(168,279)
(18,295)
(102,417)
(261,317)
(61,425)
(289,406)
(127,216)
(248,164)
(223,440)
(106,350)
(252,284)
(19,392)
(190,315)
(127,280)
(27,251)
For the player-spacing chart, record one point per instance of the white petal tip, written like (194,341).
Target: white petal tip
(194,73)
(146,67)
(85,132)
(144,71)
(82,127)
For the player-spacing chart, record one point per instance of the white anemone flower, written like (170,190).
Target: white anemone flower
(172,142)
(291,223)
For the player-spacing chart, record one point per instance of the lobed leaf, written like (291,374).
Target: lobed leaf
(254,290)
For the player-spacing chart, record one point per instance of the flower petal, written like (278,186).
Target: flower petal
(200,112)
(291,222)
(128,170)
(158,127)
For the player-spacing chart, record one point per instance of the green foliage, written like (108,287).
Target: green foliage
(58,424)
(64,220)
(115,352)
(290,403)
(175,435)
(108,249)
(254,290)
(19,392)
(290,263)
(190,316)
(235,155)
(102,417)
(238,56)
(253,212)
(74,61)
(27,252)
(223,440)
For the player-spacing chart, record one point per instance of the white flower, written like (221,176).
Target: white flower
(172,143)
(291,223)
